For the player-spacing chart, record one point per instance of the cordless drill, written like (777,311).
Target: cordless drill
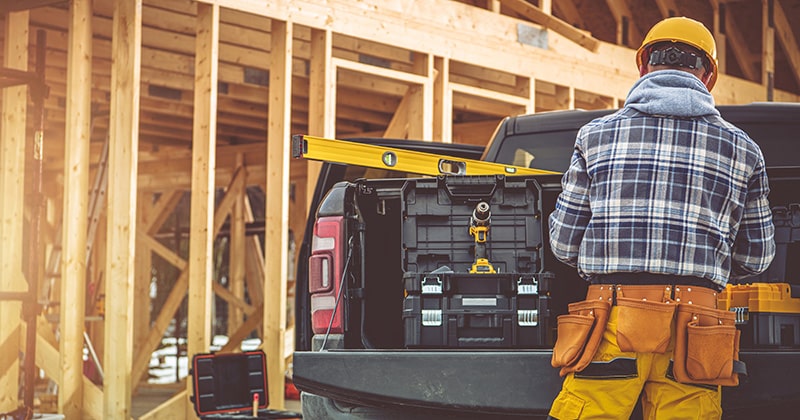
(479,229)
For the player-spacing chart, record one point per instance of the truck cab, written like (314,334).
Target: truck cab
(353,358)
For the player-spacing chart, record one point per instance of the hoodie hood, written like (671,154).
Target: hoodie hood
(673,93)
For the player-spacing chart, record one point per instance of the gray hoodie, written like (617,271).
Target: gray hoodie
(671,92)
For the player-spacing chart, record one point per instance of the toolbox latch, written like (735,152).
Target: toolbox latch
(742,314)
(431,286)
(528,317)
(527,286)
(431,317)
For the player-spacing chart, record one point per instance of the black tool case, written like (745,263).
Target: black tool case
(225,386)
(445,305)
(784,268)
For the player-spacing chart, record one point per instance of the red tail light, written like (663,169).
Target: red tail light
(325,274)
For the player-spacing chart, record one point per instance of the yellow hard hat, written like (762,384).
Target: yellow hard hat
(686,31)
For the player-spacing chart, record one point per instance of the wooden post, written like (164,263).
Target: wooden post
(768,48)
(12,184)
(76,208)
(719,35)
(126,49)
(321,100)
(277,209)
(201,232)
(144,266)
(237,252)
(530,108)
(442,101)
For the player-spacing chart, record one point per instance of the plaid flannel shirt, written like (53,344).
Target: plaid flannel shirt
(666,195)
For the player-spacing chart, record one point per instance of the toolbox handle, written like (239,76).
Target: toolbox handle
(474,187)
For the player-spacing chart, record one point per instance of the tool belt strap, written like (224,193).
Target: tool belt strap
(692,295)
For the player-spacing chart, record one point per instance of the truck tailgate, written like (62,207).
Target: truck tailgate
(510,382)
(474,380)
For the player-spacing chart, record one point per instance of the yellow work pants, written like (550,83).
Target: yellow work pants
(611,385)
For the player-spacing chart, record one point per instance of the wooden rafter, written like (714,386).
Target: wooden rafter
(622,12)
(17,5)
(787,38)
(549,21)
(738,45)
(571,14)
(668,8)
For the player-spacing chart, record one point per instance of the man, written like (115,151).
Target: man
(666,195)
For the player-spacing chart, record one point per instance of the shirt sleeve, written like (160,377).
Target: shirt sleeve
(754,246)
(571,216)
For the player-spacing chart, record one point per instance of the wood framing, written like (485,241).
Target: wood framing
(321,99)
(75,210)
(786,35)
(547,20)
(12,182)
(200,96)
(276,238)
(237,255)
(201,232)
(121,209)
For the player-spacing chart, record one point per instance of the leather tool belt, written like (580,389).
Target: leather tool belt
(706,342)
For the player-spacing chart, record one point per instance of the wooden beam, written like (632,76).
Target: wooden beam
(235,340)
(161,211)
(571,14)
(398,126)
(322,93)
(144,274)
(47,359)
(625,22)
(254,259)
(549,21)
(719,37)
(237,255)
(738,44)
(168,308)
(171,409)
(668,8)
(768,48)
(442,101)
(277,207)
(201,246)
(12,184)
(787,38)
(121,207)
(75,209)
(19,5)
(233,300)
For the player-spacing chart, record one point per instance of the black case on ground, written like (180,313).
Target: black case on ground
(445,305)
(224,386)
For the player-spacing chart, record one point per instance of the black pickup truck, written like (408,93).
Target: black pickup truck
(353,357)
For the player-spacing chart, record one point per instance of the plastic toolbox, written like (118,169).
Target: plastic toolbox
(232,386)
(446,305)
(768,314)
(785,268)
(436,215)
(462,310)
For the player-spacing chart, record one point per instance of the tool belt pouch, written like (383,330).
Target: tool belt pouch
(644,326)
(579,335)
(706,346)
